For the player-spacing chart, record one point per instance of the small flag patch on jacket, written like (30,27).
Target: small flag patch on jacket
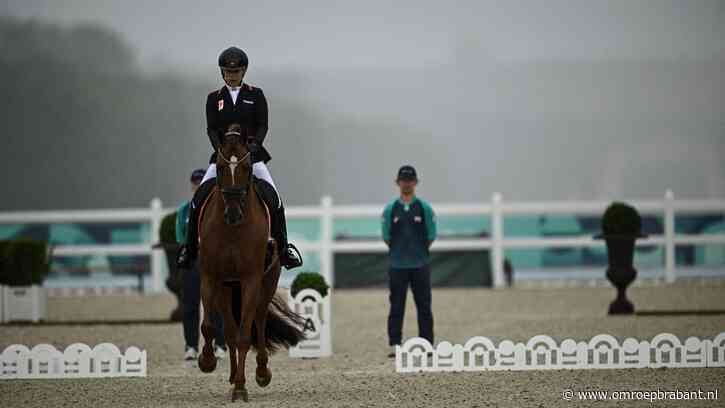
(221,104)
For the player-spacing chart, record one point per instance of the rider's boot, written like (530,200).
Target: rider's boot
(188,252)
(289,255)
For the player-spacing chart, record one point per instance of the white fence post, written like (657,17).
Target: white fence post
(669,237)
(497,241)
(327,264)
(157,256)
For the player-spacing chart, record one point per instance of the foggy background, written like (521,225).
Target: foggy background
(103,100)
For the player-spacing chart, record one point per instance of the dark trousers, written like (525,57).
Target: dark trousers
(192,299)
(419,280)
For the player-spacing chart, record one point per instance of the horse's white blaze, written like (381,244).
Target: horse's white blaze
(232,166)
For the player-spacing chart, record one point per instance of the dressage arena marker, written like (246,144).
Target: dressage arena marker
(542,353)
(315,309)
(77,361)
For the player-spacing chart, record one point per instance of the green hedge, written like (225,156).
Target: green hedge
(621,219)
(23,262)
(309,280)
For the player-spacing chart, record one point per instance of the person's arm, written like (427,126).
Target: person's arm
(261,117)
(386,225)
(181,216)
(212,111)
(430,223)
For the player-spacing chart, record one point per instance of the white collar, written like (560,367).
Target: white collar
(233,89)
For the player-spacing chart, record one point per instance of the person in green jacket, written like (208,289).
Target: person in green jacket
(192,287)
(409,229)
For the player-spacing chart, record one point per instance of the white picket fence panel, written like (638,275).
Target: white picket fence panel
(78,360)
(543,353)
(326,212)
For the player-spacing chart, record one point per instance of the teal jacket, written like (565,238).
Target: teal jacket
(409,229)
(182,220)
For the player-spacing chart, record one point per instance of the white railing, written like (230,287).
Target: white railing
(326,247)
(498,243)
(151,215)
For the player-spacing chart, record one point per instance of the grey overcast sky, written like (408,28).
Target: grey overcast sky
(329,34)
(550,99)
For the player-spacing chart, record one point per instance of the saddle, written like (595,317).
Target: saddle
(265,191)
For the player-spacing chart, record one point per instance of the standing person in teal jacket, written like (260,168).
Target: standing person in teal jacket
(192,287)
(409,229)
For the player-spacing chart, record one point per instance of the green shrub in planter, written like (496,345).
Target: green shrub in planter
(309,280)
(167,232)
(621,219)
(23,262)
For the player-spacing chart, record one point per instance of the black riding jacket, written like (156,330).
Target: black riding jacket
(250,111)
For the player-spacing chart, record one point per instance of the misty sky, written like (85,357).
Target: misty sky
(540,99)
(331,34)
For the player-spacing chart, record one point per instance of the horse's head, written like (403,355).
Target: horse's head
(234,173)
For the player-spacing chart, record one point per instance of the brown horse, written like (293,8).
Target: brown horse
(234,249)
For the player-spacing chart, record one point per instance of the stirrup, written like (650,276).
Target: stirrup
(292,257)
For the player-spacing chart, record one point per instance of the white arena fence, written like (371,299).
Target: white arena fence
(326,212)
(543,353)
(78,360)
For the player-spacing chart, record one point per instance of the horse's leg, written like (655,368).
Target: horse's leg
(264,374)
(269,286)
(207,361)
(250,295)
(231,331)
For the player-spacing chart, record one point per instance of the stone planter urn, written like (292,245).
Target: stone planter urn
(620,272)
(622,225)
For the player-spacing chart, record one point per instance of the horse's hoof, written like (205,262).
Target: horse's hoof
(207,364)
(240,393)
(263,381)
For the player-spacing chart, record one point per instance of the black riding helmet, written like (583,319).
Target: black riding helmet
(233,58)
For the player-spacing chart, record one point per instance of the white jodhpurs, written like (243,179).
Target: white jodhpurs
(259,169)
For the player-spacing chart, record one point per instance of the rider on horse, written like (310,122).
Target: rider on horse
(238,102)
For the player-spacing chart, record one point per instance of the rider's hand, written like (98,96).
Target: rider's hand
(253,146)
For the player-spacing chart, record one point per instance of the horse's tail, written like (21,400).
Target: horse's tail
(283,327)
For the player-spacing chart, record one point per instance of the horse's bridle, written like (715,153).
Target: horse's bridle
(234,192)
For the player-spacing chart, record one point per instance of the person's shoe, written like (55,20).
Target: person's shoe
(190,354)
(290,257)
(185,257)
(391,354)
(220,352)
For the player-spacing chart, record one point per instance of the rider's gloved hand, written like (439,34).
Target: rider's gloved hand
(253,146)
